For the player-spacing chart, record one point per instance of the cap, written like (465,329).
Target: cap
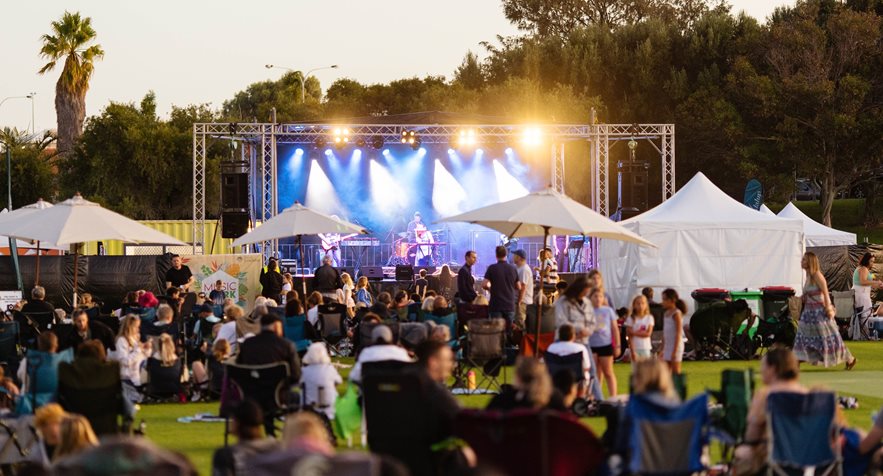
(206,307)
(520,254)
(381,333)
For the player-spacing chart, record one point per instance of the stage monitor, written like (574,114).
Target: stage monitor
(404,273)
(373,273)
(348,270)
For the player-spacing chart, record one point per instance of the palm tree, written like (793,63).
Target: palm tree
(70,41)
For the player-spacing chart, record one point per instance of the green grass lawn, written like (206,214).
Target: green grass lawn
(198,440)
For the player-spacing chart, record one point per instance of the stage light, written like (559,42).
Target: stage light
(508,151)
(328,153)
(341,137)
(360,142)
(467,138)
(377,142)
(320,142)
(412,139)
(532,136)
(448,195)
(421,152)
(508,187)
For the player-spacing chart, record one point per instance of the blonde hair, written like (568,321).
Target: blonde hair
(304,426)
(233,312)
(129,329)
(166,350)
(221,349)
(47,414)
(76,436)
(362,282)
(346,279)
(635,301)
(812,267)
(653,376)
(317,353)
(533,379)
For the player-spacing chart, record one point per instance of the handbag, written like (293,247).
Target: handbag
(795,307)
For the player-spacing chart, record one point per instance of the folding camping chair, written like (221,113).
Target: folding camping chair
(331,326)
(294,329)
(802,434)
(19,442)
(42,375)
(449,321)
(731,418)
(662,438)
(9,346)
(268,385)
(93,389)
(485,350)
(573,362)
(396,420)
(547,330)
(844,304)
(530,442)
(468,312)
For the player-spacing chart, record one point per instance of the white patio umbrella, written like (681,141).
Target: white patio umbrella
(297,220)
(541,214)
(78,220)
(15,215)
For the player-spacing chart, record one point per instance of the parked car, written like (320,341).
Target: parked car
(806,189)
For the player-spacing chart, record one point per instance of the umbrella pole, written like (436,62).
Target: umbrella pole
(303,260)
(76,272)
(37,269)
(541,303)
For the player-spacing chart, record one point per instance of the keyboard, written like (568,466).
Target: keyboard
(361,242)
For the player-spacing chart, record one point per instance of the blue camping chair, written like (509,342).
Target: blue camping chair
(147,315)
(450,321)
(802,434)
(665,438)
(295,330)
(42,372)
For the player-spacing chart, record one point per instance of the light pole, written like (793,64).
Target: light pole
(29,96)
(303,77)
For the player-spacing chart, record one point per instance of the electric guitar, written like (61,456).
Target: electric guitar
(331,241)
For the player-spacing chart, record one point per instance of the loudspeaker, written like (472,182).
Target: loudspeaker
(234,185)
(234,224)
(348,270)
(374,273)
(633,185)
(404,273)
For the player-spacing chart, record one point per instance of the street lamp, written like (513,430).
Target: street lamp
(303,77)
(29,96)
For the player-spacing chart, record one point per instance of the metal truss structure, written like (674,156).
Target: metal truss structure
(259,142)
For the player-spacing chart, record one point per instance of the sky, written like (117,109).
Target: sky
(197,51)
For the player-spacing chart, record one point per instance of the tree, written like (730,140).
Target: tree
(823,93)
(470,73)
(131,161)
(256,102)
(71,41)
(32,174)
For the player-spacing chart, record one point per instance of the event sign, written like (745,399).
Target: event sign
(9,298)
(239,274)
(753,194)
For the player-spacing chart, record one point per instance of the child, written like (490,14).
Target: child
(363,294)
(605,340)
(218,295)
(640,328)
(345,294)
(673,331)
(320,379)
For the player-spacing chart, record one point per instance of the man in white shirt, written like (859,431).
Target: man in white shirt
(381,349)
(525,291)
(567,345)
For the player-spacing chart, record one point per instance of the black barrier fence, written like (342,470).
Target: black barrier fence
(107,278)
(839,262)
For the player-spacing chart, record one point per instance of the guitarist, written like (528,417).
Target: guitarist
(331,244)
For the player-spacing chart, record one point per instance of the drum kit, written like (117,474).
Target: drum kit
(405,251)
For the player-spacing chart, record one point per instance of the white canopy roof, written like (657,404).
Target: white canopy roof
(766,210)
(704,239)
(817,234)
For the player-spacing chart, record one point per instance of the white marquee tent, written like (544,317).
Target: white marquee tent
(815,233)
(705,239)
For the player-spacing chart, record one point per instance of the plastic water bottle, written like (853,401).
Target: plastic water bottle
(470,380)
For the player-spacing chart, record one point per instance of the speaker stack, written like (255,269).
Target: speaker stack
(234,199)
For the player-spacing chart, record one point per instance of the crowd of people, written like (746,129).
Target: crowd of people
(150,331)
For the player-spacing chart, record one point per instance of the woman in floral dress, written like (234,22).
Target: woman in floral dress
(818,340)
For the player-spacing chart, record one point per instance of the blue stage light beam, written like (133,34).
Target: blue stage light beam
(321,195)
(388,195)
(448,196)
(508,187)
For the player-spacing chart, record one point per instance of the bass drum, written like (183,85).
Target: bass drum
(401,249)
